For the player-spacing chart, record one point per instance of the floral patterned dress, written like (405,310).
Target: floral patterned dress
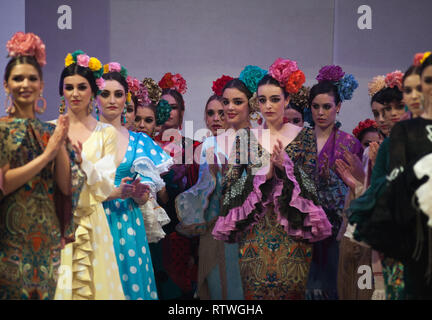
(274,221)
(34,217)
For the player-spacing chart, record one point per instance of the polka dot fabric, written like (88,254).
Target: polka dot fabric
(127,225)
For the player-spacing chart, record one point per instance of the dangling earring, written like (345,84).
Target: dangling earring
(123,115)
(97,113)
(41,109)
(62,107)
(9,106)
(254,116)
(91,105)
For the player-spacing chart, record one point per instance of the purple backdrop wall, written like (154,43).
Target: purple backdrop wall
(89,31)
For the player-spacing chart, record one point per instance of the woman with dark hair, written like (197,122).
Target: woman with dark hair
(412,93)
(326,97)
(214,114)
(89,269)
(393,221)
(269,205)
(198,209)
(175,257)
(294,110)
(39,181)
(386,103)
(367,132)
(141,163)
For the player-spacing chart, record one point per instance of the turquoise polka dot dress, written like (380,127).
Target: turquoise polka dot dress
(144,159)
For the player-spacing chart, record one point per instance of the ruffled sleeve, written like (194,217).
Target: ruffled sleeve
(296,209)
(243,205)
(100,173)
(245,190)
(191,205)
(150,162)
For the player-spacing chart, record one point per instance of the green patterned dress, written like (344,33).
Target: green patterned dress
(274,221)
(35,217)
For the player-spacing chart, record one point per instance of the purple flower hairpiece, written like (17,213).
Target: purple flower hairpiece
(330,73)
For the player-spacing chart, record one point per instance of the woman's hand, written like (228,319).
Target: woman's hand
(277,157)
(355,166)
(373,151)
(125,190)
(77,148)
(344,172)
(57,139)
(141,191)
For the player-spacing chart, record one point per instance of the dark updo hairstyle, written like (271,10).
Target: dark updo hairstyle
(84,72)
(324,87)
(236,83)
(364,131)
(268,79)
(297,108)
(21,60)
(387,95)
(118,77)
(425,64)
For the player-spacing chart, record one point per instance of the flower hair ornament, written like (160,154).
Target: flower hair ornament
(83,60)
(419,58)
(363,125)
(153,90)
(219,84)
(250,76)
(139,90)
(148,92)
(163,111)
(345,83)
(287,73)
(176,82)
(27,44)
(391,80)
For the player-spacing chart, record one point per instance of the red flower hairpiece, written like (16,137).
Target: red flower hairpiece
(220,83)
(176,82)
(363,125)
(27,44)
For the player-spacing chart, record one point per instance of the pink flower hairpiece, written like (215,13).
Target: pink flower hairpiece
(282,69)
(143,95)
(288,74)
(114,67)
(27,44)
(83,60)
(100,82)
(394,79)
(133,84)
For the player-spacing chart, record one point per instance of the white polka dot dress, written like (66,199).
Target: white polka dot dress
(127,225)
